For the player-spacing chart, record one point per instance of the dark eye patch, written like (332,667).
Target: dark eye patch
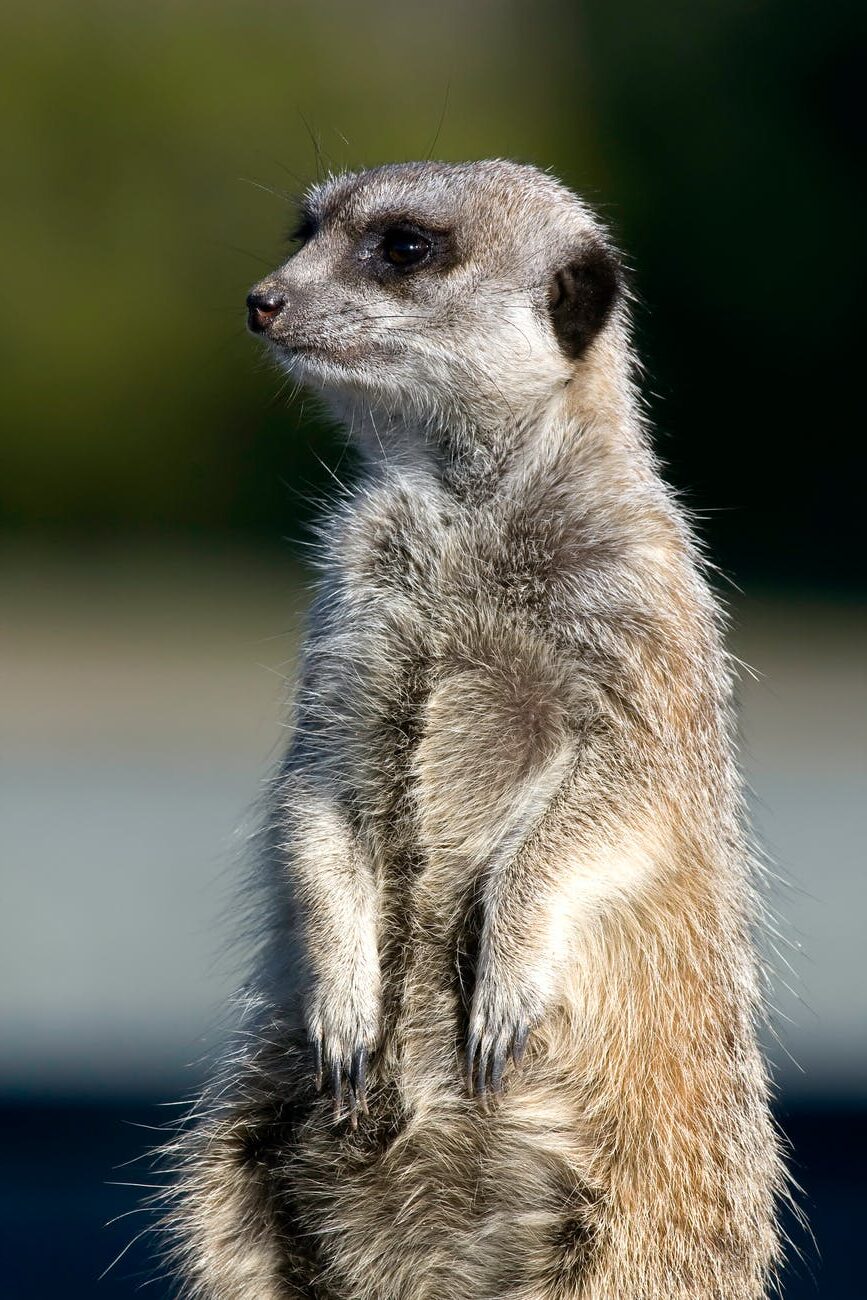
(305,228)
(400,245)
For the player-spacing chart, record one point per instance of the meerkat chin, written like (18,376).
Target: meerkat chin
(501,1038)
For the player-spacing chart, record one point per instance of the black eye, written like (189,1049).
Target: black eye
(405,248)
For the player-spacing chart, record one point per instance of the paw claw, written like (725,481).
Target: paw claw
(469,1062)
(520,1044)
(316,1052)
(337,1089)
(498,1065)
(358,1078)
(482,1079)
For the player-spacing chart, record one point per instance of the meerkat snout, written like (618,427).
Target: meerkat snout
(262,309)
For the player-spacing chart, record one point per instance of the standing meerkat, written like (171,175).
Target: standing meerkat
(501,1039)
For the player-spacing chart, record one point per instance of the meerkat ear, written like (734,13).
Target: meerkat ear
(581,296)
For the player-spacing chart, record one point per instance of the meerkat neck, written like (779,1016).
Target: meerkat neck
(466,453)
(593,424)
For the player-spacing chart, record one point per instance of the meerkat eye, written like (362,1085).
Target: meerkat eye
(405,248)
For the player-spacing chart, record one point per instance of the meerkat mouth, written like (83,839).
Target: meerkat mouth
(319,363)
(283,346)
(321,357)
(303,351)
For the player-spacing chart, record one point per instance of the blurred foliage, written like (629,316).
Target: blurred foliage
(150,154)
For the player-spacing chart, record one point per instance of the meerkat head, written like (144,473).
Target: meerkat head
(470,291)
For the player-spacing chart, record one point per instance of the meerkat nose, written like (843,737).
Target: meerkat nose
(261,310)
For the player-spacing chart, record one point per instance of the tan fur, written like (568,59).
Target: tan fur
(510,801)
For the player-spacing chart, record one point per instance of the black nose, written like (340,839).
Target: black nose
(262,309)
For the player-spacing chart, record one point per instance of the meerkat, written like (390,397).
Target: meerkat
(501,1038)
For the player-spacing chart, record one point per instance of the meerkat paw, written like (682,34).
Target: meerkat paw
(346,1075)
(501,1018)
(341,1045)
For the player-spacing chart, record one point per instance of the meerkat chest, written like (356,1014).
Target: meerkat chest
(412,547)
(389,551)
(449,662)
(423,580)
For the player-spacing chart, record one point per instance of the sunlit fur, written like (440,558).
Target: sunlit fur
(509,798)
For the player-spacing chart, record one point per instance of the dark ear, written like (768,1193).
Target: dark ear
(581,296)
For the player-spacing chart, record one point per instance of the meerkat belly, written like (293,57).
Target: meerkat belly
(492,1206)
(455,752)
(496,1204)
(458,713)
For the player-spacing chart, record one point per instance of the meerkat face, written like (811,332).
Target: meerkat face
(448,289)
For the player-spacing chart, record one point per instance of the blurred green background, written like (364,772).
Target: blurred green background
(155,481)
(147,150)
